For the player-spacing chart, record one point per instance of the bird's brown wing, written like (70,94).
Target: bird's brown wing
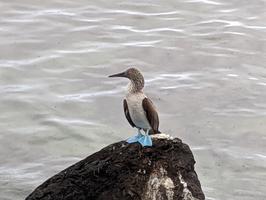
(151,114)
(126,111)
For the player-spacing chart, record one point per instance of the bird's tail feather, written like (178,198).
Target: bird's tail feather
(153,132)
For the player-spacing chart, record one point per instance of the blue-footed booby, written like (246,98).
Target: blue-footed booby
(139,110)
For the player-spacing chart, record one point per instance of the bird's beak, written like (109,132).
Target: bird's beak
(123,74)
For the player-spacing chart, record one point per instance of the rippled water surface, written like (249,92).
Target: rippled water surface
(204,64)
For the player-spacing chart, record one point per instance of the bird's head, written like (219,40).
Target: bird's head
(134,75)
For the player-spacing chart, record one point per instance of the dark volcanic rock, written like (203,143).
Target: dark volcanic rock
(126,172)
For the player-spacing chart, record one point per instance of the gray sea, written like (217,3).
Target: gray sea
(204,62)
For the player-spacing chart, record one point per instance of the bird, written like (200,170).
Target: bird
(139,110)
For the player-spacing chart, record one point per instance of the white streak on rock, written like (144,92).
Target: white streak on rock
(187,195)
(159,186)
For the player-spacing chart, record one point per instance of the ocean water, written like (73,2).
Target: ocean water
(204,65)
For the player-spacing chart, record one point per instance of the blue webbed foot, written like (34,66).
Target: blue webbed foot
(134,138)
(145,140)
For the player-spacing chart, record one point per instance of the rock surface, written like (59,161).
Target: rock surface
(128,172)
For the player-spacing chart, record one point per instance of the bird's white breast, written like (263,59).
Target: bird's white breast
(136,111)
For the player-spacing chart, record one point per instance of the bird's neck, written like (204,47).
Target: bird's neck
(134,87)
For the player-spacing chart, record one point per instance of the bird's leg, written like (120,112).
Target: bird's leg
(139,131)
(147,131)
